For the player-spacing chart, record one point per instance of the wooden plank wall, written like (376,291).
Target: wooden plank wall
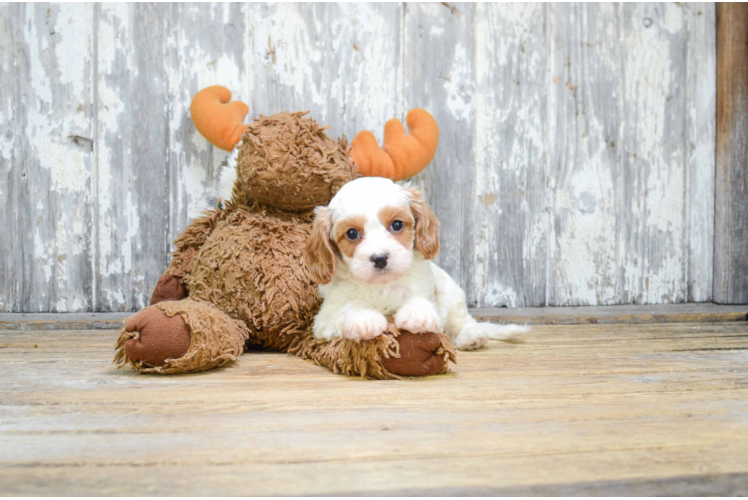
(731,217)
(576,164)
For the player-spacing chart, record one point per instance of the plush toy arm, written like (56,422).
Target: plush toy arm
(171,285)
(402,155)
(180,337)
(394,354)
(189,242)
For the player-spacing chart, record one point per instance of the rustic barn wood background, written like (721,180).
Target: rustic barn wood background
(576,165)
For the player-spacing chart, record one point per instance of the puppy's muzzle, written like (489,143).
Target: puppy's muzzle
(379,260)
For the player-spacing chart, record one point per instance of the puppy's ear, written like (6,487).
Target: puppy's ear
(319,254)
(427,225)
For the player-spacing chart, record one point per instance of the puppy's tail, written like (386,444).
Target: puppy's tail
(503,332)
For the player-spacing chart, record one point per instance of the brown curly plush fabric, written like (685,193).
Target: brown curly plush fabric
(243,277)
(250,268)
(287,161)
(384,357)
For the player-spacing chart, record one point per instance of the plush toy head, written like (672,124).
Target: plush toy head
(287,161)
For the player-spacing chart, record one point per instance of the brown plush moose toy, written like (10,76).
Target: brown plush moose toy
(237,277)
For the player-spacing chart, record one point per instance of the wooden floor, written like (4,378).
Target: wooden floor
(588,409)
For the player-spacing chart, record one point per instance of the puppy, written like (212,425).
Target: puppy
(370,251)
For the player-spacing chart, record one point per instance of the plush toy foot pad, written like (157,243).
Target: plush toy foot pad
(168,288)
(158,337)
(421,354)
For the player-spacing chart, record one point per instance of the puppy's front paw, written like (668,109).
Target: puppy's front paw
(470,337)
(418,319)
(364,325)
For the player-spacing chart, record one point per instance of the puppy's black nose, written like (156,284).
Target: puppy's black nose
(380,260)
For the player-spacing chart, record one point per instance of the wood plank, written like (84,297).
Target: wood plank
(131,200)
(652,241)
(64,321)
(701,101)
(496,316)
(537,206)
(586,126)
(731,212)
(11,151)
(46,144)
(337,60)
(506,223)
(206,45)
(573,409)
(670,313)
(438,75)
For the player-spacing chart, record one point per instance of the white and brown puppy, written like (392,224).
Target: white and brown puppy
(370,251)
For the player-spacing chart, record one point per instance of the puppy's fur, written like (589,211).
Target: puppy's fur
(370,251)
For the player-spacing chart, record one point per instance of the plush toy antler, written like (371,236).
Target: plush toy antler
(217,119)
(401,156)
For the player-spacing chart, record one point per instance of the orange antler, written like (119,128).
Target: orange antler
(401,156)
(217,119)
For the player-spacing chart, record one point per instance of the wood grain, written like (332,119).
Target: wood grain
(132,186)
(657,408)
(652,240)
(630,314)
(438,75)
(205,46)
(586,119)
(731,207)
(669,313)
(701,99)
(340,61)
(506,225)
(46,157)
(101,167)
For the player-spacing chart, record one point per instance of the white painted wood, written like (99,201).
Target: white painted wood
(652,241)
(206,46)
(576,163)
(340,61)
(507,222)
(132,198)
(701,97)
(439,75)
(46,157)
(586,119)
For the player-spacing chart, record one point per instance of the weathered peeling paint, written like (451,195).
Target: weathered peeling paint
(506,248)
(46,157)
(586,116)
(576,165)
(700,152)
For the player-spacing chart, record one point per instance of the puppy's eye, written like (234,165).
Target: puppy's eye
(351,234)
(397,225)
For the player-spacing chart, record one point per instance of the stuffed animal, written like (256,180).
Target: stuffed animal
(237,277)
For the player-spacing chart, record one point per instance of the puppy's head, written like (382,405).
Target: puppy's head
(372,226)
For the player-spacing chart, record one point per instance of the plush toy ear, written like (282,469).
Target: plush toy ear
(319,254)
(427,225)
(401,156)
(217,119)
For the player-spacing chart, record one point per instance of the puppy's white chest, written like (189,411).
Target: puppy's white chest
(390,299)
